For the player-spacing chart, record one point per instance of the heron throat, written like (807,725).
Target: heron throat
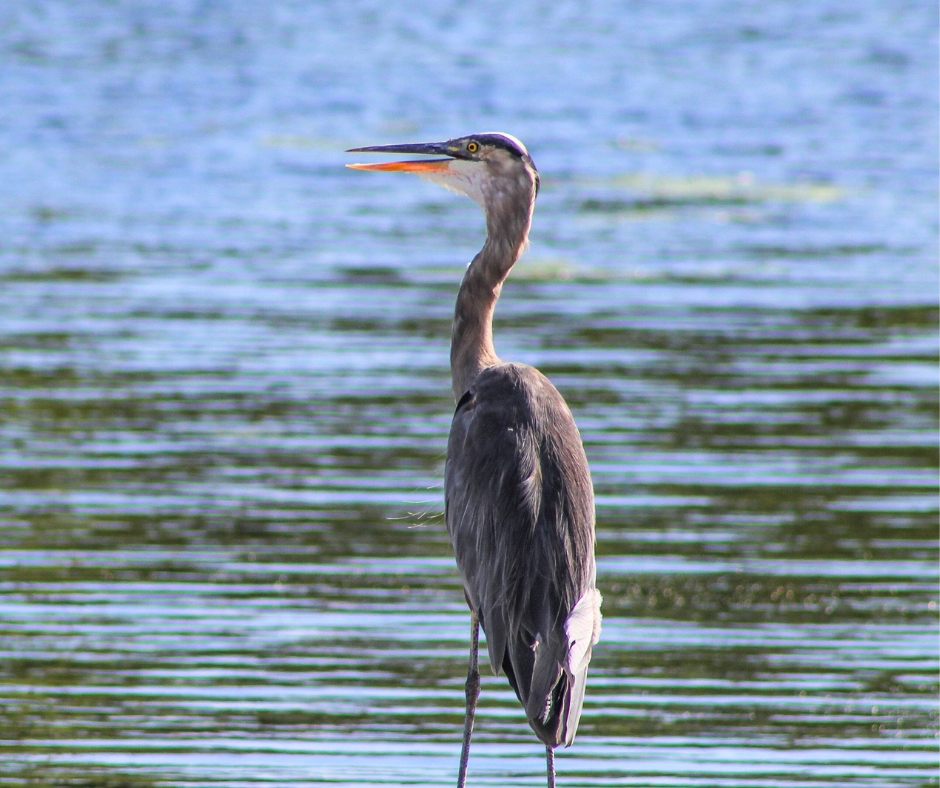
(508,218)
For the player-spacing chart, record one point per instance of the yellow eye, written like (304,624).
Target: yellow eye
(473,147)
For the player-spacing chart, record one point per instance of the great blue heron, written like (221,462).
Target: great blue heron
(519,500)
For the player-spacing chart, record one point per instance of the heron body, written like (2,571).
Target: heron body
(520,513)
(518,494)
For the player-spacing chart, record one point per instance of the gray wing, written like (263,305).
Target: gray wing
(520,513)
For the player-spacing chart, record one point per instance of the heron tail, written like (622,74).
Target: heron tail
(549,677)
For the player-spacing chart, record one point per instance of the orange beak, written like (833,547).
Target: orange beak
(434,165)
(419,165)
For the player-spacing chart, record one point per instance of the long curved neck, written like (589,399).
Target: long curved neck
(471,347)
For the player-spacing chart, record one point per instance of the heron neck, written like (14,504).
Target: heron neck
(471,347)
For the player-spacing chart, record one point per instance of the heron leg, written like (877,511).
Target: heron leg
(550,766)
(473,692)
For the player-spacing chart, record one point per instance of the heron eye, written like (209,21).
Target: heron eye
(473,147)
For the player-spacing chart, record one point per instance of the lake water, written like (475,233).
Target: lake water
(224,387)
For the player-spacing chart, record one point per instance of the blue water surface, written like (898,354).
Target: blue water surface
(225,396)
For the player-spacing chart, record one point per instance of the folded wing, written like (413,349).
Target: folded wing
(520,513)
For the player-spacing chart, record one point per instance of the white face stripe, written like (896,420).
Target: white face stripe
(513,140)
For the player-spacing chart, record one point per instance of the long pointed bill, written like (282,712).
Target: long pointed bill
(451,173)
(432,148)
(419,166)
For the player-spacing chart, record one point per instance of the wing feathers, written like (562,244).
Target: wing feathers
(520,512)
(583,630)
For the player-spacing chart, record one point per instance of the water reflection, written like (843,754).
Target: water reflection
(224,399)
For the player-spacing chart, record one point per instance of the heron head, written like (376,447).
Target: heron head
(492,168)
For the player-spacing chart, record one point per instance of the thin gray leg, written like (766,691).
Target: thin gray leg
(550,766)
(473,692)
